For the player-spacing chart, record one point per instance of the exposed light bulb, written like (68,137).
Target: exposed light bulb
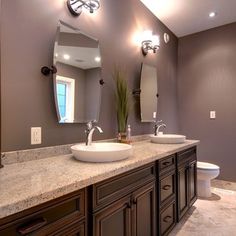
(156,40)
(66,56)
(212,14)
(147,35)
(97,59)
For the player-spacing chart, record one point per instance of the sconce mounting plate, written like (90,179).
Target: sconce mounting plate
(45,70)
(101,82)
(74,8)
(146,46)
(150,44)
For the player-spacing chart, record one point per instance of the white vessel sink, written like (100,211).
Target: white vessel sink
(168,138)
(102,152)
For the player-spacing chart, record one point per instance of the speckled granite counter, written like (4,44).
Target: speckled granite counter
(27,184)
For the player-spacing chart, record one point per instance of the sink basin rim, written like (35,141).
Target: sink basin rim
(97,147)
(102,152)
(168,138)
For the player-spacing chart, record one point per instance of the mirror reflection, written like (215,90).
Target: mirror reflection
(77,89)
(149,93)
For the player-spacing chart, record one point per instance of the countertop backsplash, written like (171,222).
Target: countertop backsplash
(45,152)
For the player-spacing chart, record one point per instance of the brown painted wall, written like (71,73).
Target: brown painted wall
(207,81)
(28,34)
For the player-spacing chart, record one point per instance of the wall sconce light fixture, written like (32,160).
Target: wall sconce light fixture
(75,6)
(150,42)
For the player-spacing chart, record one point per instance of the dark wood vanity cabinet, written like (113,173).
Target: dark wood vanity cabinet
(63,216)
(177,188)
(166,218)
(146,201)
(186,180)
(132,209)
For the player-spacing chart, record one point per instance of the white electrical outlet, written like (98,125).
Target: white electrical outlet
(212,114)
(36,135)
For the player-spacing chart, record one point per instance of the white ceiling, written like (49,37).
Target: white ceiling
(185,17)
(83,58)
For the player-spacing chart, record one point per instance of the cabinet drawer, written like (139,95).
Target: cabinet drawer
(166,164)
(53,215)
(187,156)
(76,229)
(168,219)
(112,189)
(167,187)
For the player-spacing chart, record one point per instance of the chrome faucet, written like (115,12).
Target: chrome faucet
(89,132)
(157,127)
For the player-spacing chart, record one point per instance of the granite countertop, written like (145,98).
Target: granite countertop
(27,184)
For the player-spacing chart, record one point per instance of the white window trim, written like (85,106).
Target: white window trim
(70,97)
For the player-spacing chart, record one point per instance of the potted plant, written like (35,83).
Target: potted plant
(122,103)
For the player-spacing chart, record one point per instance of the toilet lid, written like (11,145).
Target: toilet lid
(207,166)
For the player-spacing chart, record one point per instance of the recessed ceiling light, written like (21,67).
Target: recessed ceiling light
(212,14)
(66,56)
(97,59)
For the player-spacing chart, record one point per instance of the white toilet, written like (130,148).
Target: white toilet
(205,173)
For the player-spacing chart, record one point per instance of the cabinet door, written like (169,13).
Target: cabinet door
(114,220)
(192,182)
(144,211)
(182,191)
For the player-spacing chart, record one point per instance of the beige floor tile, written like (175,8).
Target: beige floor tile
(211,217)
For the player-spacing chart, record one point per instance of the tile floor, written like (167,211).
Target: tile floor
(211,217)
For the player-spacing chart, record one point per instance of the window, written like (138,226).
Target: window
(61,97)
(65,98)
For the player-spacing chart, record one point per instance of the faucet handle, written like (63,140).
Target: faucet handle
(99,129)
(89,127)
(90,124)
(158,122)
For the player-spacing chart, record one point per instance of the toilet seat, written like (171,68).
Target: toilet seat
(206,166)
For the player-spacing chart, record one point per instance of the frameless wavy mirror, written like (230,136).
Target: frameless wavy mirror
(77,83)
(149,93)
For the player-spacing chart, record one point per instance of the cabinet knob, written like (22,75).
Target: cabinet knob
(167,219)
(31,226)
(135,201)
(166,187)
(128,205)
(166,163)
